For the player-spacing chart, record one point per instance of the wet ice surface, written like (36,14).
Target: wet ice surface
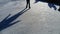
(40,19)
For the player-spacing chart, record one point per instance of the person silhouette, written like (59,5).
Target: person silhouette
(52,6)
(28,4)
(59,8)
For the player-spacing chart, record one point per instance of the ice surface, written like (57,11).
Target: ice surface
(40,19)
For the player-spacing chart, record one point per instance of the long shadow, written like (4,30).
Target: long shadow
(57,2)
(5,23)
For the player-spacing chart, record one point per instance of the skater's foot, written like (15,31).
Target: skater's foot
(26,7)
(29,7)
(59,9)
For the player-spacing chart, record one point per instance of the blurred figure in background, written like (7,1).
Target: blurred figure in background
(28,4)
(52,6)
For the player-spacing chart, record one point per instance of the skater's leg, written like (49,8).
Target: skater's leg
(59,8)
(26,4)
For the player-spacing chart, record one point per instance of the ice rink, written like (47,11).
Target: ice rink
(40,19)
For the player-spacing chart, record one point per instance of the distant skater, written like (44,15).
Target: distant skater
(28,4)
(59,8)
(52,6)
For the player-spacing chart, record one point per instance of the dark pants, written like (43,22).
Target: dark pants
(27,3)
(59,8)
